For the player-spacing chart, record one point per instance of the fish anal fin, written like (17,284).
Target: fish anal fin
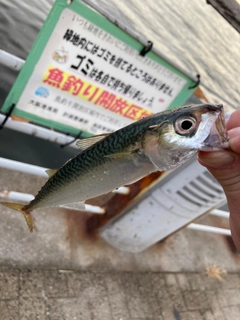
(74,205)
(51,172)
(21,208)
(88,142)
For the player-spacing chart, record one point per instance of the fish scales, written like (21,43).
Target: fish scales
(95,157)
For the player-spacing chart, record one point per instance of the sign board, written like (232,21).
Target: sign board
(84,73)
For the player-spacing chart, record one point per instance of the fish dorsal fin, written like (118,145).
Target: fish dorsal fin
(51,172)
(88,142)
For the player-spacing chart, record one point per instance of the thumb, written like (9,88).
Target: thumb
(224,166)
(216,160)
(234,141)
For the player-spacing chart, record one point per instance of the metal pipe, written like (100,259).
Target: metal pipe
(220,213)
(200,227)
(38,131)
(94,209)
(23,167)
(13,196)
(11,61)
(84,207)
(122,190)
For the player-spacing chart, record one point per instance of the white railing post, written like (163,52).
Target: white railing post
(11,61)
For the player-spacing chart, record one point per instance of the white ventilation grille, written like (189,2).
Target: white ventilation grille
(178,199)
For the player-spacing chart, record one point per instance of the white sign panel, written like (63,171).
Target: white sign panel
(86,78)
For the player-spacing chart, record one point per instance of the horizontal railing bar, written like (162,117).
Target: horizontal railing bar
(200,227)
(220,213)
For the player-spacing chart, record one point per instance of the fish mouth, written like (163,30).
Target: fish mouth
(218,137)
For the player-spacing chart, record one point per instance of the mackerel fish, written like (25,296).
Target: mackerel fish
(161,142)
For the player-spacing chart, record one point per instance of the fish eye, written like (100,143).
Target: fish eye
(185,125)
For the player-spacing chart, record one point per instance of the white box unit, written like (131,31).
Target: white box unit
(178,199)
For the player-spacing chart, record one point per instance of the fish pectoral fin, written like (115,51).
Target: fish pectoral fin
(121,155)
(51,172)
(21,208)
(118,155)
(157,126)
(88,142)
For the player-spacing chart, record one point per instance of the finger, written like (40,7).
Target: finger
(234,120)
(216,160)
(234,132)
(235,228)
(224,166)
(234,143)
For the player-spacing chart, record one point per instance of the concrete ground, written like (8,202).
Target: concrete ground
(90,295)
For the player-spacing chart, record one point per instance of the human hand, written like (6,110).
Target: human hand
(225,167)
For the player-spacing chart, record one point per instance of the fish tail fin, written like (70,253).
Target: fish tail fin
(21,208)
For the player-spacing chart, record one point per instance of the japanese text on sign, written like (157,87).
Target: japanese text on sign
(82,89)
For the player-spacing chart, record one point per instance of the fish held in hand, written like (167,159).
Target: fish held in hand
(161,142)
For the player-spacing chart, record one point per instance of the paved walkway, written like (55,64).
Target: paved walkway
(89,295)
